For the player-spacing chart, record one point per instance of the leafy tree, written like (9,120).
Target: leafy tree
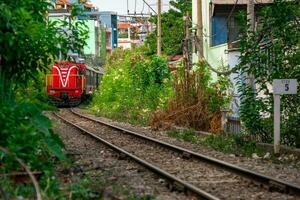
(172,28)
(271,52)
(28,44)
(133,87)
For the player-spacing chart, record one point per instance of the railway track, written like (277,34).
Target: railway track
(183,169)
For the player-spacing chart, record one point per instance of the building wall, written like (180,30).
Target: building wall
(233,60)
(90,47)
(124,43)
(218,55)
(114,27)
(109,20)
(103,43)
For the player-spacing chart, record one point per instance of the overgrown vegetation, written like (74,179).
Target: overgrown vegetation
(234,144)
(134,86)
(197,102)
(172,28)
(26,133)
(238,144)
(29,43)
(187,135)
(271,52)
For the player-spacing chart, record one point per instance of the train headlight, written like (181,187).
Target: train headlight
(76,91)
(52,91)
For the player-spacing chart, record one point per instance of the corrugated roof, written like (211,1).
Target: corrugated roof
(123,26)
(63,2)
(239,2)
(88,5)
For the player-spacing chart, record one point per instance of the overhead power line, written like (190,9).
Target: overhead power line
(150,7)
(135,6)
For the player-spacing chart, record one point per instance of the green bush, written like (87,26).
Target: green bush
(26,133)
(271,52)
(188,135)
(237,144)
(133,87)
(29,44)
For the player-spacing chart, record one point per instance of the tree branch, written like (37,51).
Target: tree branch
(224,73)
(33,179)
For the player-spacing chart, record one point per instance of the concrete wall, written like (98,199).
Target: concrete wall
(233,60)
(218,55)
(90,47)
(109,20)
(215,56)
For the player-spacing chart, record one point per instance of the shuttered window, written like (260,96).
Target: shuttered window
(219,30)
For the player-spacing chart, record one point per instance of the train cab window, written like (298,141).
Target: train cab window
(81,71)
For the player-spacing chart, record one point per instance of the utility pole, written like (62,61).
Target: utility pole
(251,23)
(251,15)
(199,29)
(187,43)
(159,27)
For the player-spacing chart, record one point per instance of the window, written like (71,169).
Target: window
(234,30)
(219,30)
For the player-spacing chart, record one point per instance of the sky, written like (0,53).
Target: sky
(120,6)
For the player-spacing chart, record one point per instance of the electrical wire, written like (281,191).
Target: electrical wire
(150,7)
(143,8)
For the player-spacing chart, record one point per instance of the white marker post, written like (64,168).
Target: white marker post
(281,86)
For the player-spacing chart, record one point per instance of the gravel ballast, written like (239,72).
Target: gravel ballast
(283,168)
(119,174)
(213,180)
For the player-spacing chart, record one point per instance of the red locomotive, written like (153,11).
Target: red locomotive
(71,81)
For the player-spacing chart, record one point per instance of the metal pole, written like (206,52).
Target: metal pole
(276,123)
(199,29)
(159,27)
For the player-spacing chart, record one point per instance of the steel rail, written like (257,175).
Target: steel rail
(157,170)
(267,180)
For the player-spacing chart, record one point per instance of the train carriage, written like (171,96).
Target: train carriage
(71,81)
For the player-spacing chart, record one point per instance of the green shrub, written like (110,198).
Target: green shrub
(237,144)
(26,133)
(133,87)
(271,52)
(188,135)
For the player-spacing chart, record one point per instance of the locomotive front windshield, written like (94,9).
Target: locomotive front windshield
(64,66)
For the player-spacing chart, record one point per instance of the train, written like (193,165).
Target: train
(72,81)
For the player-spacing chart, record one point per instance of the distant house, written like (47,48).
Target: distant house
(132,31)
(62,4)
(124,35)
(61,11)
(109,20)
(220,33)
